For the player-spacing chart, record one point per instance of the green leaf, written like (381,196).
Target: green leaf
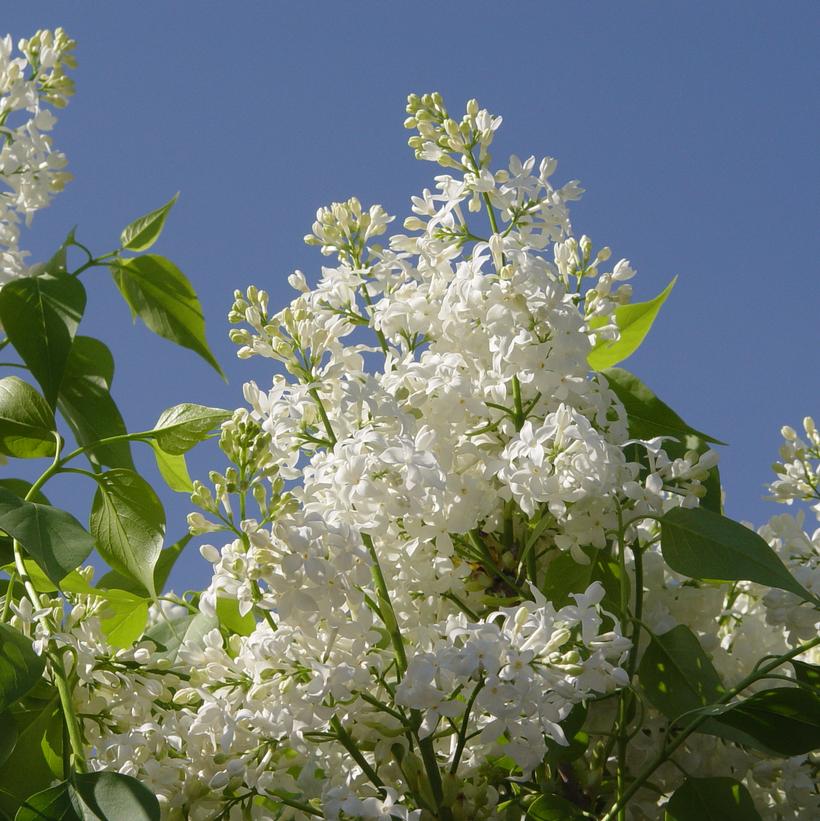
(705,545)
(565,576)
(26,421)
(808,674)
(711,799)
(40,316)
(173,469)
(57,265)
(172,633)
(111,795)
(52,537)
(167,560)
(553,808)
(8,736)
(677,675)
(123,618)
(128,524)
(647,415)
(20,667)
(634,322)
(39,750)
(227,611)
(87,405)
(179,428)
(144,231)
(20,488)
(51,804)
(165,563)
(782,720)
(161,296)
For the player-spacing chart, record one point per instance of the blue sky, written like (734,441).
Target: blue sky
(693,127)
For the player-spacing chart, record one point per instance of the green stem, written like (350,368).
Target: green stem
(323,413)
(297,805)
(57,666)
(696,722)
(349,744)
(379,335)
(462,734)
(387,612)
(626,696)
(7,601)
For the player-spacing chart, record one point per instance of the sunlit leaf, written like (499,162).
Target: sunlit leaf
(634,322)
(128,524)
(144,231)
(52,537)
(173,469)
(40,315)
(162,297)
(87,405)
(181,427)
(26,421)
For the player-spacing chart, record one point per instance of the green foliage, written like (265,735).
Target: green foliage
(634,321)
(40,315)
(27,423)
(8,736)
(128,524)
(181,427)
(706,545)
(227,612)
(52,537)
(676,674)
(165,563)
(648,417)
(39,747)
(173,469)
(86,403)
(144,231)
(162,297)
(711,799)
(782,720)
(553,808)
(51,804)
(20,667)
(100,796)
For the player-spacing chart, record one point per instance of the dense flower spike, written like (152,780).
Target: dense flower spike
(441,572)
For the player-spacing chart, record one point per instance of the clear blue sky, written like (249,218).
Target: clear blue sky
(692,125)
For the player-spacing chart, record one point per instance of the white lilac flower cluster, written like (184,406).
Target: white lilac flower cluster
(31,171)
(388,632)
(398,621)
